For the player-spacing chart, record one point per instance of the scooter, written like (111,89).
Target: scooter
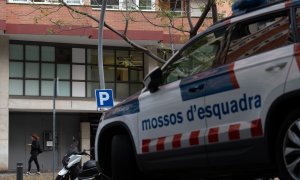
(72,167)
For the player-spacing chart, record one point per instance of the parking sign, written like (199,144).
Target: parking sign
(104,98)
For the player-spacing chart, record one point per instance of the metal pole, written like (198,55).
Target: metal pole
(19,171)
(100,45)
(54,125)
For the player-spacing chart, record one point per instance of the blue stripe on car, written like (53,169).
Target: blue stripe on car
(129,106)
(208,83)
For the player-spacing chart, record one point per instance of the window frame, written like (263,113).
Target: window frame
(121,6)
(81,2)
(152,7)
(44,2)
(294,22)
(85,63)
(254,18)
(108,6)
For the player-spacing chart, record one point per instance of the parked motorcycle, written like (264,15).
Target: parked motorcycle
(72,168)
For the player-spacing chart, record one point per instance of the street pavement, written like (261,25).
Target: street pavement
(13,176)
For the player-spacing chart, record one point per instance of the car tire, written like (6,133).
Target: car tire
(122,158)
(288,147)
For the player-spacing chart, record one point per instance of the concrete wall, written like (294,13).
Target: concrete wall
(43,104)
(4,80)
(22,125)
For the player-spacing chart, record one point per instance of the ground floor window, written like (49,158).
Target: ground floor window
(33,66)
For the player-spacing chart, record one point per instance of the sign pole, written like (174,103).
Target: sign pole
(100,45)
(55,83)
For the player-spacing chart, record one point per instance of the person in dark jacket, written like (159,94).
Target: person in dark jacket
(34,152)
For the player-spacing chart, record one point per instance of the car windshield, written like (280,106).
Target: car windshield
(198,56)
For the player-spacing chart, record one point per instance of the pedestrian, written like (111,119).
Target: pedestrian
(34,152)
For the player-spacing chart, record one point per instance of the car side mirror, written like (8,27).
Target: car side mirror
(153,79)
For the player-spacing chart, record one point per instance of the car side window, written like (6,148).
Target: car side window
(259,35)
(200,56)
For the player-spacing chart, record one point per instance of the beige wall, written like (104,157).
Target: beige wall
(85,139)
(4,86)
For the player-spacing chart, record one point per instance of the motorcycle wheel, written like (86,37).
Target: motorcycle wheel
(58,177)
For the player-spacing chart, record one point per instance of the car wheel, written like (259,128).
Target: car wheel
(288,147)
(122,158)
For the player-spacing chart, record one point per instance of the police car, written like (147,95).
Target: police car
(225,105)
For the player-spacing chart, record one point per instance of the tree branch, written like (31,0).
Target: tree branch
(214,13)
(188,13)
(208,6)
(124,37)
(158,25)
(126,18)
(80,12)
(163,26)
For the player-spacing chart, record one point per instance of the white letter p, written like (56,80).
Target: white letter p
(103,96)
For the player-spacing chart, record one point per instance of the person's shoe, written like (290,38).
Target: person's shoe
(27,173)
(38,173)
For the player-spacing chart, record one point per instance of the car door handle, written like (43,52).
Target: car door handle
(276,67)
(194,89)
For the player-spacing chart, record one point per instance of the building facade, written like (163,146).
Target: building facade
(41,40)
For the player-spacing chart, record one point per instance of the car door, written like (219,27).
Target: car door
(259,56)
(171,131)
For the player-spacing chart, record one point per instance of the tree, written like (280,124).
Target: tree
(170,19)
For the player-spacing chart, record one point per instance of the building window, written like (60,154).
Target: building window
(48,53)
(111,4)
(47,88)
(33,67)
(131,4)
(15,87)
(175,5)
(146,4)
(16,52)
(63,54)
(71,2)
(123,72)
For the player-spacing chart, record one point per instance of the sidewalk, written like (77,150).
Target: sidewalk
(43,176)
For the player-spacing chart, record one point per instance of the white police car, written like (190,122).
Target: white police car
(226,105)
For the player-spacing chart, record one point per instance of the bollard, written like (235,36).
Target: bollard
(19,171)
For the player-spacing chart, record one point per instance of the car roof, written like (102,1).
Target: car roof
(267,5)
(266,8)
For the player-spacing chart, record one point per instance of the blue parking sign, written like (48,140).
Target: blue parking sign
(104,98)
